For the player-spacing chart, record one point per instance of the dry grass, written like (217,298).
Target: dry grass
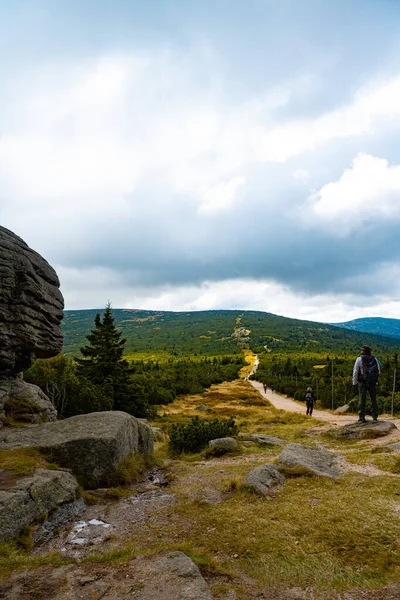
(315,534)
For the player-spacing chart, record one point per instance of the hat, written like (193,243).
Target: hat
(366,349)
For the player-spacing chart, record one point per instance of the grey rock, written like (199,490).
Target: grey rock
(223,445)
(58,519)
(91,445)
(299,459)
(31,306)
(266,480)
(32,497)
(25,401)
(367,430)
(341,410)
(182,572)
(266,440)
(395,447)
(202,407)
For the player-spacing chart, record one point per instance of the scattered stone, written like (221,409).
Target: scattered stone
(32,497)
(297,459)
(202,407)
(178,573)
(266,480)
(223,445)
(341,410)
(395,447)
(248,443)
(266,440)
(361,431)
(91,445)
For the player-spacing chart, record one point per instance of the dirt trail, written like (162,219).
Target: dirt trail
(284,403)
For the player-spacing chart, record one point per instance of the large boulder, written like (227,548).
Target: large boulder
(33,497)
(265,480)
(297,459)
(91,445)
(31,306)
(362,431)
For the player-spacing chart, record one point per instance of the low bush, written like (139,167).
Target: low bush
(195,435)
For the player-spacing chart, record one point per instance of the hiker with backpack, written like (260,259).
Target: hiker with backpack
(265,388)
(366,371)
(310,401)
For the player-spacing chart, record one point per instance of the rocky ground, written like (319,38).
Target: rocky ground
(147,511)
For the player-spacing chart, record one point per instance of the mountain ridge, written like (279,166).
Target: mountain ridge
(210,332)
(375,325)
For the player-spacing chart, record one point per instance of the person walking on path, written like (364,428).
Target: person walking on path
(265,388)
(272,388)
(366,371)
(310,401)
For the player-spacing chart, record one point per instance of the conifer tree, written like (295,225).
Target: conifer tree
(102,360)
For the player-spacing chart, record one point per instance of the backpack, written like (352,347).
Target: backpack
(369,371)
(309,398)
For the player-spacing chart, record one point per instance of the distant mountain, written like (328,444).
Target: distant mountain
(374,325)
(210,333)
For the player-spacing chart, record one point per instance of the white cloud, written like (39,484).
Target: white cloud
(367,192)
(221,197)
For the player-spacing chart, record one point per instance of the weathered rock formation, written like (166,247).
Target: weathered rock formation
(297,459)
(31,309)
(32,497)
(91,445)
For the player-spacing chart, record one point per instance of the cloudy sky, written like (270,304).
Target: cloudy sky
(200,154)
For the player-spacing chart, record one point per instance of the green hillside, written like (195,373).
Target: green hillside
(374,325)
(209,333)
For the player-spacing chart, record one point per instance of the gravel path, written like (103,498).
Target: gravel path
(284,403)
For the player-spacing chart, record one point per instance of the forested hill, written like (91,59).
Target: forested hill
(210,333)
(375,325)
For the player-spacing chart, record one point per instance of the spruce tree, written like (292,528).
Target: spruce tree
(102,360)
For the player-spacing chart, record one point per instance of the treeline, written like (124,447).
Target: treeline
(101,379)
(329,376)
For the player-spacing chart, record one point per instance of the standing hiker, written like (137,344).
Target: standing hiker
(272,388)
(265,388)
(366,371)
(310,400)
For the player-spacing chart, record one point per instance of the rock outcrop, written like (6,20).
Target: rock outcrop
(297,459)
(32,497)
(91,445)
(31,309)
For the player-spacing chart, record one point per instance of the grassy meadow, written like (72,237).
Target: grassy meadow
(318,534)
